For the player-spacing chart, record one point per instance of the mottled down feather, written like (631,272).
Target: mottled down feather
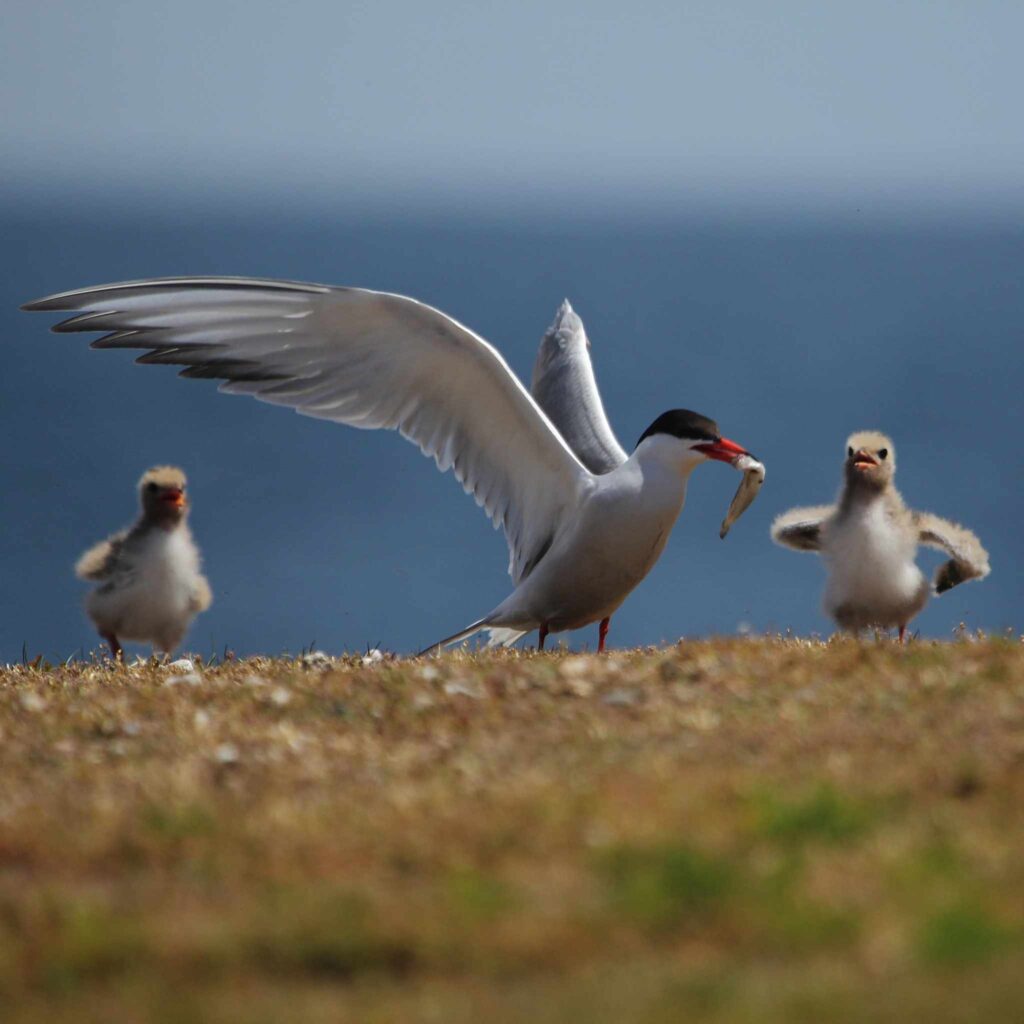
(98,562)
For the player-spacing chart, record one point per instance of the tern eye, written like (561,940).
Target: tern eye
(849,453)
(151,487)
(883,452)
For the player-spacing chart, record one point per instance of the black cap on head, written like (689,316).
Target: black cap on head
(685,424)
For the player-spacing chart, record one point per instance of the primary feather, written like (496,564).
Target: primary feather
(564,386)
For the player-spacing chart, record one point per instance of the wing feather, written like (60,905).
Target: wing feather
(969,559)
(367,359)
(802,529)
(100,561)
(564,386)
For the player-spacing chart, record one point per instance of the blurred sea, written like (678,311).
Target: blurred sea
(789,333)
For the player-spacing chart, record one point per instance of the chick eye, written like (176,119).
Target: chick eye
(883,452)
(849,453)
(151,487)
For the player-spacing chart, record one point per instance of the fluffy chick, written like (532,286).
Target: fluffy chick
(869,541)
(150,584)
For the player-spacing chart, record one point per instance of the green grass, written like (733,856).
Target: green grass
(722,831)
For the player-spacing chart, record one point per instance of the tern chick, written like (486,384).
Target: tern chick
(150,584)
(869,541)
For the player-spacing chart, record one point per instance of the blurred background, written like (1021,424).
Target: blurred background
(799,219)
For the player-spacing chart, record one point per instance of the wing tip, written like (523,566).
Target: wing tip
(73,299)
(39,305)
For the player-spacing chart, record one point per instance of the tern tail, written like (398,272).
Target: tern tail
(499,636)
(463,634)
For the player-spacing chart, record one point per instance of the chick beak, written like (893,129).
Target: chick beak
(174,496)
(723,449)
(864,460)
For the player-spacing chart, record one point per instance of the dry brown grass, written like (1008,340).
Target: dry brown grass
(729,831)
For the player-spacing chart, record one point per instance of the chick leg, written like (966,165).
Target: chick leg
(903,633)
(542,636)
(116,650)
(602,632)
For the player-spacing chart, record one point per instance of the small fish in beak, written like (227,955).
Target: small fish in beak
(748,490)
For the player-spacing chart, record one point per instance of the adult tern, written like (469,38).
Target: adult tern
(579,541)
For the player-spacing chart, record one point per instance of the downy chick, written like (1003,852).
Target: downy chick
(150,584)
(869,541)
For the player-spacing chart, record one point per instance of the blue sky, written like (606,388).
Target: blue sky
(731,103)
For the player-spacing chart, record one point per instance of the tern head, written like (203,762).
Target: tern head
(870,460)
(162,494)
(688,438)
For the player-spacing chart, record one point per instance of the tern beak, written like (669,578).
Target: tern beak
(864,460)
(723,449)
(174,496)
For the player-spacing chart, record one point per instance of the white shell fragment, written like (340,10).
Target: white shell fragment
(753,477)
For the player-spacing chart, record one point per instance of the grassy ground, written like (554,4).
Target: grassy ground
(726,831)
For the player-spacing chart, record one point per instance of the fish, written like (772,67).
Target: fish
(750,486)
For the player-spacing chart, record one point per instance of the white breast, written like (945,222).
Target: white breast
(619,531)
(872,575)
(152,600)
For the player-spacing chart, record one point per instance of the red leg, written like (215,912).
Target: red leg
(903,633)
(116,650)
(542,637)
(602,632)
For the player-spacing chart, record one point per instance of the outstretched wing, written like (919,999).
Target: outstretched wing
(565,388)
(367,359)
(100,561)
(802,529)
(969,560)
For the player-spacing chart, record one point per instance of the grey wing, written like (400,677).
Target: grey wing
(101,561)
(565,388)
(367,359)
(969,559)
(802,529)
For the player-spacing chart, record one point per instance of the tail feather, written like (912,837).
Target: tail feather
(502,637)
(499,637)
(463,634)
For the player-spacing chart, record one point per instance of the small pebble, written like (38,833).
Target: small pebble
(579,687)
(621,698)
(33,702)
(187,679)
(181,665)
(280,696)
(315,659)
(226,753)
(457,689)
(373,656)
(574,667)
